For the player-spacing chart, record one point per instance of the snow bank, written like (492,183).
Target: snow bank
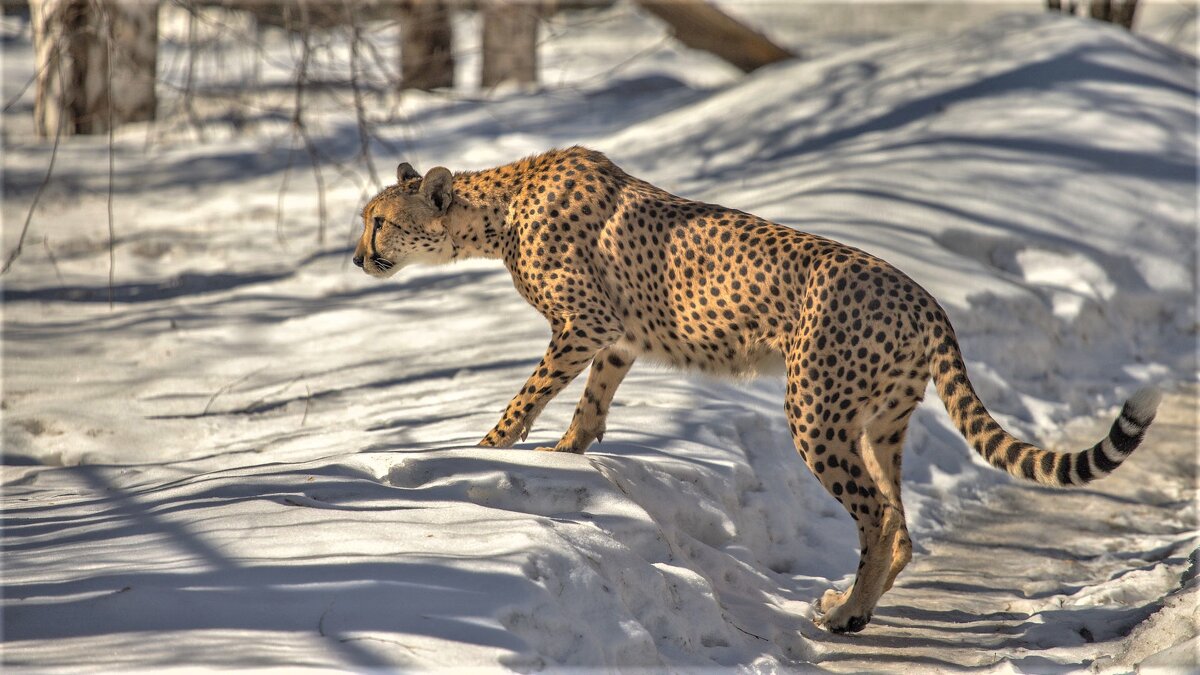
(258,456)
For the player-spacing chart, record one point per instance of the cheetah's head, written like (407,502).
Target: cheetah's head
(404,223)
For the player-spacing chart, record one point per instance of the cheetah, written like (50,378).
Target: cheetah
(623,270)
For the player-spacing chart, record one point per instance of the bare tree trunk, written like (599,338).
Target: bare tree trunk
(1120,12)
(700,25)
(426,58)
(510,33)
(1124,13)
(1057,6)
(96,61)
(55,24)
(132,52)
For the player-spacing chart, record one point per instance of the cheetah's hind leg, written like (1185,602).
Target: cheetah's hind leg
(833,451)
(883,445)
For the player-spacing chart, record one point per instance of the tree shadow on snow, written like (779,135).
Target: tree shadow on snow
(188,284)
(403,594)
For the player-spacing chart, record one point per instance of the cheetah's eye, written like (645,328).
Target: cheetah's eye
(378,222)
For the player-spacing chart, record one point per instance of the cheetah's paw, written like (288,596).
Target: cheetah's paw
(843,619)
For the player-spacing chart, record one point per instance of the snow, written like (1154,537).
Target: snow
(260,457)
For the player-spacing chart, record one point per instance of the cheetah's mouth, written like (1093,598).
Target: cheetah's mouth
(379,267)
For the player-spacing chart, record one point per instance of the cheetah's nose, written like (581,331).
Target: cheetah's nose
(358,260)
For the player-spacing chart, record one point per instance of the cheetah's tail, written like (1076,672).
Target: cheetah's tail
(1023,460)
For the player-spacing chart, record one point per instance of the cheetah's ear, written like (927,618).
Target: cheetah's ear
(406,172)
(438,187)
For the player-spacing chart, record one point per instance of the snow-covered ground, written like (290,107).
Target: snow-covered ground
(257,456)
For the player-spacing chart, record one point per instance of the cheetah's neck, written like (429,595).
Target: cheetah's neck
(476,219)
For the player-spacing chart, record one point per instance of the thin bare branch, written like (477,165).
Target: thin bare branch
(217,394)
(307,402)
(33,78)
(283,186)
(37,196)
(360,111)
(112,251)
(189,104)
(320,179)
(53,260)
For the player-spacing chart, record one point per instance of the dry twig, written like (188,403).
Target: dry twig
(37,196)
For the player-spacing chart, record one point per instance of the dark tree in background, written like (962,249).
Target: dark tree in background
(1120,12)
(96,59)
(96,64)
(510,34)
(426,57)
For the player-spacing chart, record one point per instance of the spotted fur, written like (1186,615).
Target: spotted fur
(623,270)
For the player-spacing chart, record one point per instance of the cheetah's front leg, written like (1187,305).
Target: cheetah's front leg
(608,369)
(571,348)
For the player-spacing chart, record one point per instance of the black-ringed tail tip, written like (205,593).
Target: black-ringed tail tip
(1125,435)
(1080,468)
(1023,460)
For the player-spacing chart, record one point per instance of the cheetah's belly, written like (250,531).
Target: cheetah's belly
(709,357)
